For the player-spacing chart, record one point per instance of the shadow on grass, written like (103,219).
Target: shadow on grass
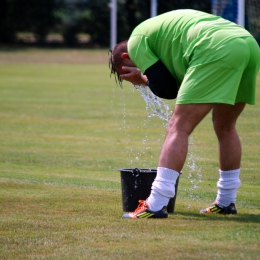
(243,218)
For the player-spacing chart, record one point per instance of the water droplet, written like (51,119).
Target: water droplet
(155,106)
(194,174)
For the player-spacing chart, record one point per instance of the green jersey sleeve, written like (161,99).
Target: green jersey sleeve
(140,52)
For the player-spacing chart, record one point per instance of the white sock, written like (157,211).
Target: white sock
(227,187)
(163,188)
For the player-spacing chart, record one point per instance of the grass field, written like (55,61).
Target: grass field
(66,129)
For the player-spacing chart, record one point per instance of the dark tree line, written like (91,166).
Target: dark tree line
(69,18)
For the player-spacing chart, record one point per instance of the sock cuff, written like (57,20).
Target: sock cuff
(231,174)
(165,174)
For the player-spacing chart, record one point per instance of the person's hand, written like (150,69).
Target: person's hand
(134,75)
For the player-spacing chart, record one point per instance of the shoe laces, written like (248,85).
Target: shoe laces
(142,205)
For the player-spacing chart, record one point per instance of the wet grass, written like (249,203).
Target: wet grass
(66,129)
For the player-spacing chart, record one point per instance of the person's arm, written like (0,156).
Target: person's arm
(161,82)
(157,77)
(134,75)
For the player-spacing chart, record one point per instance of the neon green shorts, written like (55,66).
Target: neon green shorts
(225,75)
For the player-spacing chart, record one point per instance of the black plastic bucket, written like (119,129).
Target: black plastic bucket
(136,185)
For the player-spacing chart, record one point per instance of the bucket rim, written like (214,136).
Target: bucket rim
(145,170)
(131,170)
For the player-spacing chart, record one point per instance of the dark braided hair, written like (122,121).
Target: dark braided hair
(115,60)
(112,68)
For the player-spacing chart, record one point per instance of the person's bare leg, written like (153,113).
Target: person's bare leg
(174,151)
(224,120)
(183,121)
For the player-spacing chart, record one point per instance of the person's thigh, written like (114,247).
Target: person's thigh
(186,117)
(225,116)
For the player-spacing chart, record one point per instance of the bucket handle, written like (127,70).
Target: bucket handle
(135,172)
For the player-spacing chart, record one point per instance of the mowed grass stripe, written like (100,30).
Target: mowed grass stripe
(66,129)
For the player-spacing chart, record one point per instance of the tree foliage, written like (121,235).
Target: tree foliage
(70,18)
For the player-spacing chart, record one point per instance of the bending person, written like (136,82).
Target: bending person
(208,64)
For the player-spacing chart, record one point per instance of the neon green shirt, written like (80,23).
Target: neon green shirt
(175,36)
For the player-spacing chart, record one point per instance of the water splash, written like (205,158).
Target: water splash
(194,172)
(155,106)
